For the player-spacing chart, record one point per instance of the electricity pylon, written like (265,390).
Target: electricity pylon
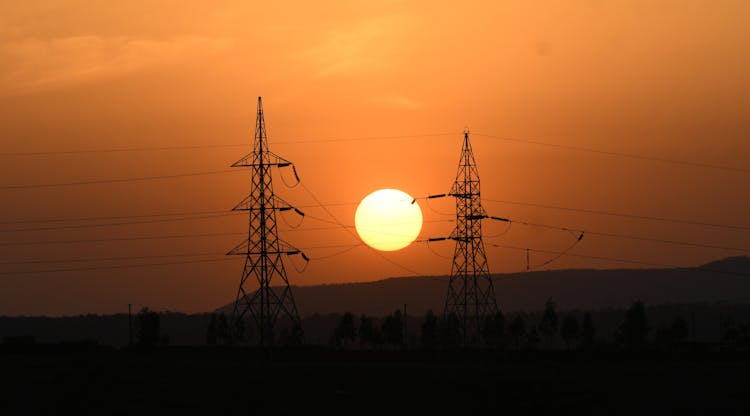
(471,296)
(263,248)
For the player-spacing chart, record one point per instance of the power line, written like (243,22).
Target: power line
(111,181)
(619,154)
(215,146)
(129,266)
(103,240)
(165,237)
(633,237)
(374,138)
(364,138)
(187,216)
(623,215)
(348,247)
(197,215)
(151,256)
(122,149)
(620,260)
(520,203)
(79,226)
(664,241)
(118,217)
(96,259)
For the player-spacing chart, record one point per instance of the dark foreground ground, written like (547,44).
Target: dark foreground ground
(86,379)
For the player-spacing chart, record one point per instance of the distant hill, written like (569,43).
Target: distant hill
(726,280)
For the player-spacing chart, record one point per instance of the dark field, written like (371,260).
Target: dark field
(86,379)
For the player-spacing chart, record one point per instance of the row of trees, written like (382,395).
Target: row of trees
(552,331)
(548,329)
(436,331)
(389,333)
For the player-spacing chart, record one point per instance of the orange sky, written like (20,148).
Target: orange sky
(666,79)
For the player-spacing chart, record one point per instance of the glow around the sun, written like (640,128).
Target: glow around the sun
(387,220)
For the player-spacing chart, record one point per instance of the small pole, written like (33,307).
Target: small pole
(692,325)
(130,326)
(527,260)
(405,331)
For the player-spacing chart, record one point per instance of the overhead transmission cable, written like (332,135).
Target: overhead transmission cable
(621,260)
(113,239)
(619,154)
(623,215)
(225,145)
(111,181)
(127,258)
(613,235)
(79,226)
(128,266)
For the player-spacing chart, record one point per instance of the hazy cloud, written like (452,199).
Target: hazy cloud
(359,49)
(32,64)
(398,101)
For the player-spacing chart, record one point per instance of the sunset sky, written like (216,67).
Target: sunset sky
(360,95)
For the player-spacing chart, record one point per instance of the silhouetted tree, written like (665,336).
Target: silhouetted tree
(569,329)
(393,329)
(345,333)
(147,322)
(663,337)
(429,332)
(223,333)
(735,335)
(532,339)
(548,323)
(366,331)
(244,331)
(588,331)
(449,330)
(211,331)
(517,329)
(493,331)
(632,333)
(297,336)
(679,329)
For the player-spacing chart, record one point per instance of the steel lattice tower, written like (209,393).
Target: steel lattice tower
(263,248)
(471,296)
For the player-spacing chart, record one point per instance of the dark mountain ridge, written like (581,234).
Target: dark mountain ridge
(726,280)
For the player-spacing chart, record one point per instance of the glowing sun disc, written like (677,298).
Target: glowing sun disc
(387,220)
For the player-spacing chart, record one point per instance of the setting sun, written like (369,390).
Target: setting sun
(387,220)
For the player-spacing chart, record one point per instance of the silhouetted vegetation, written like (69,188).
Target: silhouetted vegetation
(147,328)
(675,328)
(517,330)
(494,330)
(345,333)
(368,336)
(569,330)
(393,329)
(588,331)
(449,330)
(671,337)
(429,333)
(632,333)
(548,323)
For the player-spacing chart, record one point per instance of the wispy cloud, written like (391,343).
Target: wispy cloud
(398,101)
(361,48)
(33,64)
